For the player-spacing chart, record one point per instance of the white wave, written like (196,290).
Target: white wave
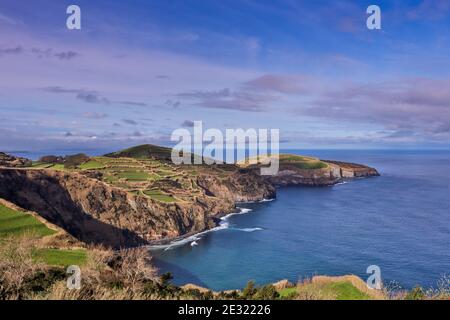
(224,224)
(194,243)
(250,229)
(259,201)
(241,211)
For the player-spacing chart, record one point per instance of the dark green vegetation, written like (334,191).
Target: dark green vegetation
(251,291)
(14,222)
(143,152)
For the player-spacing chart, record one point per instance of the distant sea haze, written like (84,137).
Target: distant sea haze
(399,221)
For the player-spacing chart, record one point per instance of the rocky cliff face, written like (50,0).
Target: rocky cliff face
(240,187)
(334,172)
(95,212)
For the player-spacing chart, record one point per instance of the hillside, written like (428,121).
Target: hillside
(137,196)
(144,151)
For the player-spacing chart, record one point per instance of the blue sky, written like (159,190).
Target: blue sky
(139,69)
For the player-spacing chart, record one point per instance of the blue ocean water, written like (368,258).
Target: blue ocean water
(399,221)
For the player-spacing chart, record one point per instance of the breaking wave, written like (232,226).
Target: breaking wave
(194,239)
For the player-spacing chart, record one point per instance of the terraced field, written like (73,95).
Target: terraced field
(140,174)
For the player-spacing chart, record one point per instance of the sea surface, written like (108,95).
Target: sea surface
(399,221)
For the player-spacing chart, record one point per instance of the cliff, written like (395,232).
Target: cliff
(139,197)
(95,212)
(295,170)
(334,172)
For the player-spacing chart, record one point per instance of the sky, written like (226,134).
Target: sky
(137,70)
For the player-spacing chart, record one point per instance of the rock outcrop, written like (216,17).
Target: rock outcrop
(335,172)
(10,161)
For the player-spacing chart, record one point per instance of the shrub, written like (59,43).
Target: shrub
(249,290)
(267,292)
(416,294)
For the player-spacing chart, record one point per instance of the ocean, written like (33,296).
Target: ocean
(399,222)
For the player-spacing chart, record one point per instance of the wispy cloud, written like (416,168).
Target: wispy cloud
(243,100)
(188,124)
(90,96)
(408,105)
(12,51)
(40,53)
(129,121)
(133,103)
(173,104)
(281,84)
(94,115)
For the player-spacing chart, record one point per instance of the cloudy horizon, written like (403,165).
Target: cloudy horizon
(137,70)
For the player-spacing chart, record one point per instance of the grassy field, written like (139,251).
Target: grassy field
(302,162)
(40,165)
(340,290)
(58,166)
(287,292)
(18,223)
(92,164)
(60,257)
(346,291)
(157,195)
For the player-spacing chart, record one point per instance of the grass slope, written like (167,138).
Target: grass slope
(14,222)
(60,257)
(339,290)
(22,224)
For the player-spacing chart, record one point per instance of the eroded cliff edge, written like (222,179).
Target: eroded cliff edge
(94,210)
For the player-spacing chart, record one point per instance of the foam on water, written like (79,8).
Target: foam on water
(193,240)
